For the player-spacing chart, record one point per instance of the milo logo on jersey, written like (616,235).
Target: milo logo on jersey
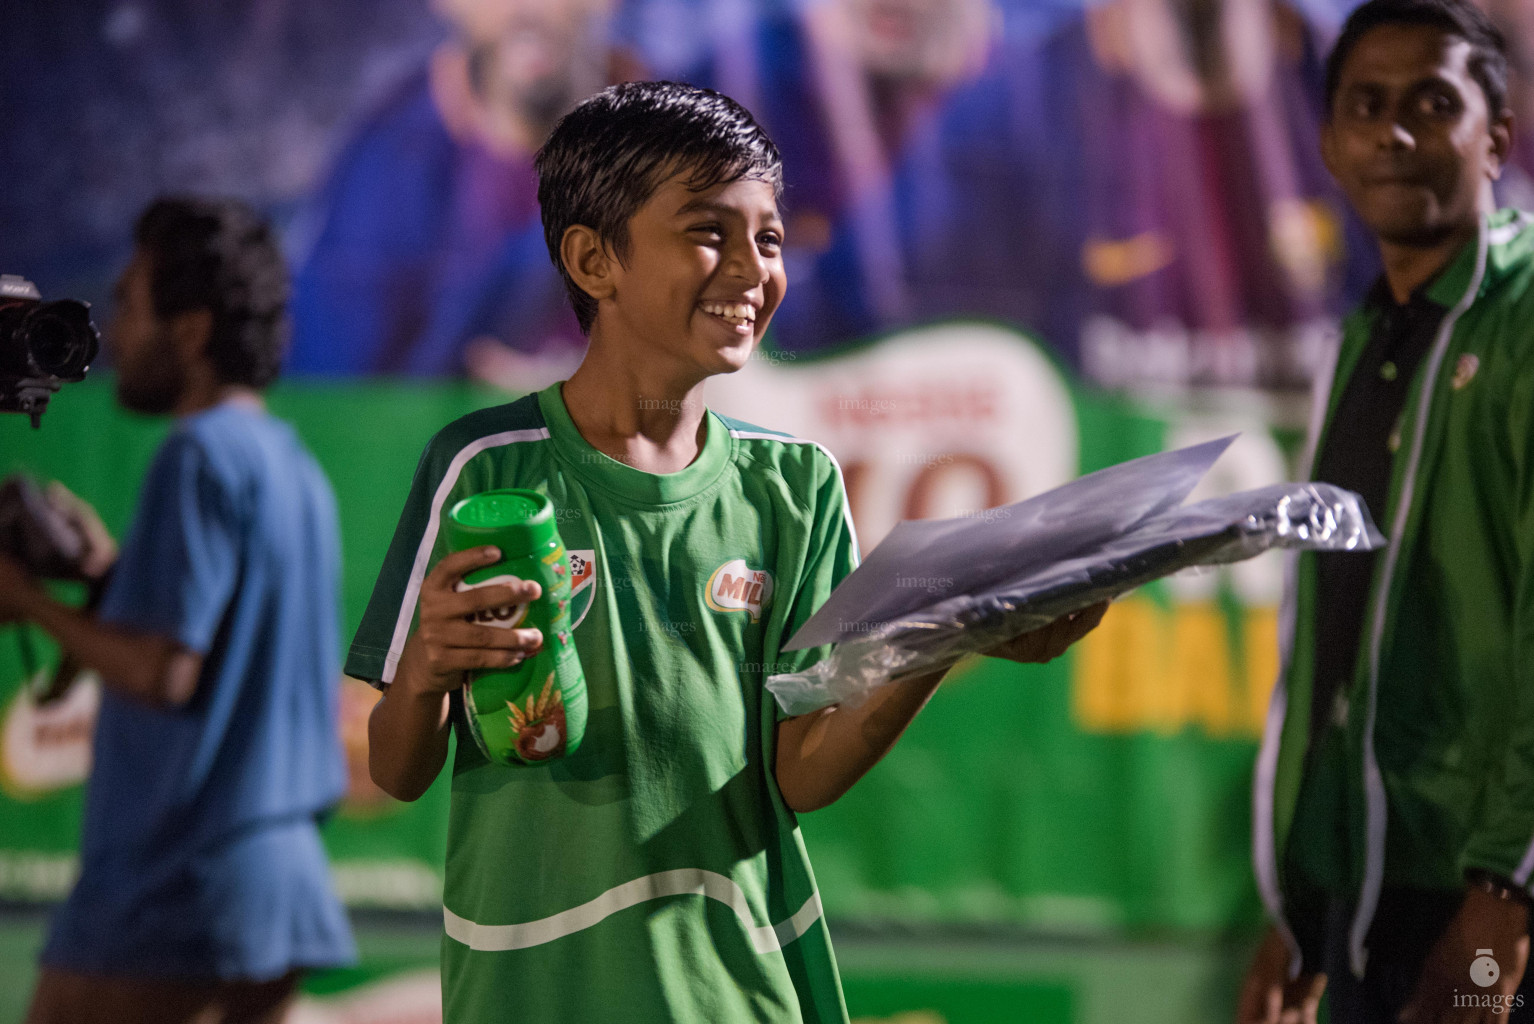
(505,617)
(736,587)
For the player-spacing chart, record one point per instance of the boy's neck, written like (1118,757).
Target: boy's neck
(638,416)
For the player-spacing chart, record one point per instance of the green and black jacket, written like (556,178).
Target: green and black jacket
(1429,761)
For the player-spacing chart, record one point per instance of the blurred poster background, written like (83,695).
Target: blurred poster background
(1025,240)
(1134,183)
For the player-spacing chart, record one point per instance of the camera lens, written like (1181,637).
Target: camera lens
(60,338)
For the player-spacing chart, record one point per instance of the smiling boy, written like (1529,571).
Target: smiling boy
(656,874)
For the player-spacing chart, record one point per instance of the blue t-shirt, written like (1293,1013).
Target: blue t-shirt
(200,855)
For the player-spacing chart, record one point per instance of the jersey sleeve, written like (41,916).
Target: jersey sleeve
(177,571)
(391,610)
(1501,839)
(833,554)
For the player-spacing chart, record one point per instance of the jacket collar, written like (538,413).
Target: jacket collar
(1508,237)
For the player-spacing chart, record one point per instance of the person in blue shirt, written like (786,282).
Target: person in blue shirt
(204,891)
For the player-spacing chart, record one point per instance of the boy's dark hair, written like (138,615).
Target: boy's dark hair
(1459,18)
(605,159)
(219,255)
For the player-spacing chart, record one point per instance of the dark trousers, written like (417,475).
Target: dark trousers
(1406,925)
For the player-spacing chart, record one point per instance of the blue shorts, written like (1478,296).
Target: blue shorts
(257,907)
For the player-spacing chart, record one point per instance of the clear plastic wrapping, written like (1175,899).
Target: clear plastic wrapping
(935,591)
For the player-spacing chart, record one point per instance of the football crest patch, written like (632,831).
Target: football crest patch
(583,578)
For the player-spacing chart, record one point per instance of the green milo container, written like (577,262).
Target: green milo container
(534,711)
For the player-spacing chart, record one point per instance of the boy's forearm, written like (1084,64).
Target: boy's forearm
(407,740)
(821,754)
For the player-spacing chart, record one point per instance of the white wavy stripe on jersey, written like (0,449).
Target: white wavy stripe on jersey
(751,435)
(433,524)
(499,938)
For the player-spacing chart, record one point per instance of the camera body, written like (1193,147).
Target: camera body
(43,345)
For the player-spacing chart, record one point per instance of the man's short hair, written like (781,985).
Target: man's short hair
(1459,18)
(220,255)
(606,158)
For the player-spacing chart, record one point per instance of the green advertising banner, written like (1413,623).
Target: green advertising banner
(1104,794)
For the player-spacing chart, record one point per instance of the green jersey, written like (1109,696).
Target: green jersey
(655,874)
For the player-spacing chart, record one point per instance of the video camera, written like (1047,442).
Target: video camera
(43,345)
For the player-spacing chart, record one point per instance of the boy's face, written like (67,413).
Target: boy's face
(702,276)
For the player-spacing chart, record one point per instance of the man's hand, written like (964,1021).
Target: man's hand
(21,593)
(1483,922)
(1267,994)
(100,552)
(1049,642)
(446,644)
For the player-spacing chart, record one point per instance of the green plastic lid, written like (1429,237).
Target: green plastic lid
(517,521)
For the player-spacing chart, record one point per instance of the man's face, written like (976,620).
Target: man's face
(150,377)
(702,276)
(1409,137)
(528,54)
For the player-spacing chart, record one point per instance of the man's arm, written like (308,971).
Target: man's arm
(821,754)
(408,729)
(143,666)
(1501,839)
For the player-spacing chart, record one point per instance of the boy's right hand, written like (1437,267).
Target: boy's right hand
(445,644)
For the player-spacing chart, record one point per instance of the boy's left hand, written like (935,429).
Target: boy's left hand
(1049,642)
